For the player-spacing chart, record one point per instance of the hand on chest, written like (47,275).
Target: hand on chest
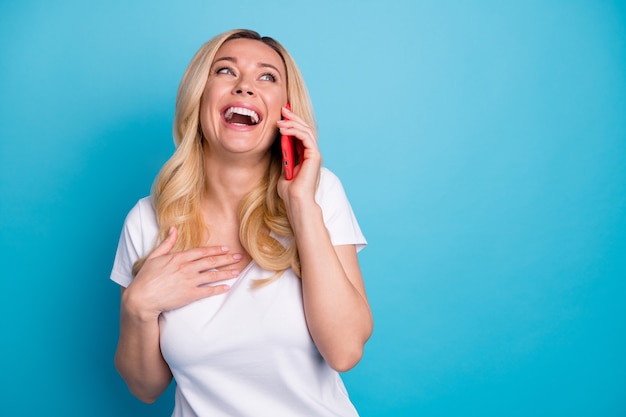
(259,321)
(223,233)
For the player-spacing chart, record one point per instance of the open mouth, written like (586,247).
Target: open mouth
(241,116)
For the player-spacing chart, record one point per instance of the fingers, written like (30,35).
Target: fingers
(293,125)
(206,278)
(210,264)
(205,257)
(288,114)
(204,285)
(212,290)
(176,279)
(168,243)
(302,132)
(166,246)
(308,149)
(206,265)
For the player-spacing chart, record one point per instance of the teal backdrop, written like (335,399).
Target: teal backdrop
(482,145)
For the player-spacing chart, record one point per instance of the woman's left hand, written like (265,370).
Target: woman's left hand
(335,305)
(306,173)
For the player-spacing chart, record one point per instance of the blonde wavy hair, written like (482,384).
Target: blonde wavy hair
(180,185)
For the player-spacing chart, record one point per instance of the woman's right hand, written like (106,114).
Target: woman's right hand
(170,280)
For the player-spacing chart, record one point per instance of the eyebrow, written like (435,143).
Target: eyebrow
(259,65)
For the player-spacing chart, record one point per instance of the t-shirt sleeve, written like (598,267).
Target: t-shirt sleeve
(134,242)
(338,215)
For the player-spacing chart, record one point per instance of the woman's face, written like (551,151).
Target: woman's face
(243,96)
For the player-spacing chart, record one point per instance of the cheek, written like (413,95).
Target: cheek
(204,113)
(282,96)
(208,112)
(276,101)
(212,93)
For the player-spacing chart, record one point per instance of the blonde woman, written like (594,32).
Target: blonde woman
(242,286)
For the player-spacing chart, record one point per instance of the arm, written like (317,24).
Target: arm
(138,357)
(336,307)
(165,282)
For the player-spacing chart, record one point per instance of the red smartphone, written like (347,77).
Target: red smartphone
(292,150)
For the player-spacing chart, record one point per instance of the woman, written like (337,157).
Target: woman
(243,286)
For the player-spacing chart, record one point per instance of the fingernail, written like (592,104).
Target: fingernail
(225,248)
(237,256)
(234,272)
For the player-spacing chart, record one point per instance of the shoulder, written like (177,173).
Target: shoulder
(330,194)
(338,215)
(330,190)
(144,205)
(141,226)
(328,182)
(136,240)
(328,177)
(141,212)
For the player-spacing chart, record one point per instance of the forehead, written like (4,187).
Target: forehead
(249,51)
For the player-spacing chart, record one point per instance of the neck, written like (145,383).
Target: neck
(229,180)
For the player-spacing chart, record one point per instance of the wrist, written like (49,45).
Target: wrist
(304,215)
(134,308)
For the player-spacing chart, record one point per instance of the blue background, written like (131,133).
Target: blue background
(482,144)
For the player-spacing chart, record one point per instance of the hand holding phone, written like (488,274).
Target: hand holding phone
(292,151)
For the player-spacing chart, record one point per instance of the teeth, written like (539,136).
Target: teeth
(242,111)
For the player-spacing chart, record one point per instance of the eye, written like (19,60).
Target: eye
(224,70)
(268,76)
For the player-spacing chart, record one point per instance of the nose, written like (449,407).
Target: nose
(240,91)
(243,87)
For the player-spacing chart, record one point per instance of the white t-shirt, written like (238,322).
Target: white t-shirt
(247,352)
